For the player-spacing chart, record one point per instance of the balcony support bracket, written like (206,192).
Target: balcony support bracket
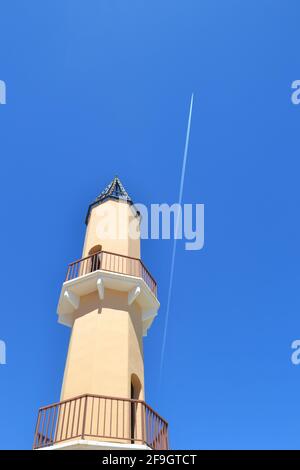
(100,288)
(73,299)
(133,294)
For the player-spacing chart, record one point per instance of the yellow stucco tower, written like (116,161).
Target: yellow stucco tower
(109,299)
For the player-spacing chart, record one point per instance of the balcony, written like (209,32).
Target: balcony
(100,421)
(106,261)
(105,270)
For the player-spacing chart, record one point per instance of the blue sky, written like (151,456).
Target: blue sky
(100,88)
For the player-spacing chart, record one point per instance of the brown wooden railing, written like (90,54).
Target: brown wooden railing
(101,418)
(111,262)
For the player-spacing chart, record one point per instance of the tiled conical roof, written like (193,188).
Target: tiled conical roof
(115,190)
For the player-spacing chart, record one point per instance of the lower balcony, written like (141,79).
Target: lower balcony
(93,421)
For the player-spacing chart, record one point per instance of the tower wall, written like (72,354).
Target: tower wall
(108,227)
(105,347)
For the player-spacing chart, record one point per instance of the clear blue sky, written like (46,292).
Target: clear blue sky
(98,88)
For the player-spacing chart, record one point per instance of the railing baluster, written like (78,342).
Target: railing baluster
(36,429)
(47,426)
(57,422)
(99,402)
(92,412)
(123,418)
(68,419)
(79,413)
(143,422)
(53,422)
(84,417)
(73,420)
(117,417)
(129,420)
(111,402)
(42,428)
(62,426)
(104,417)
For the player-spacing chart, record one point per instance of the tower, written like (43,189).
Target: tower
(109,300)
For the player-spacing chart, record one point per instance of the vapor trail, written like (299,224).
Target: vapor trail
(186,147)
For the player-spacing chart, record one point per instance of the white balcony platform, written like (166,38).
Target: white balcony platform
(99,280)
(84,444)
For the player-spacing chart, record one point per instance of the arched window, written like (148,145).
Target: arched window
(95,257)
(95,249)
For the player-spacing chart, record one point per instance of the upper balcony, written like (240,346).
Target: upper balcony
(112,271)
(106,261)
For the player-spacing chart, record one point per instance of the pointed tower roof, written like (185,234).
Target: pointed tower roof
(115,190)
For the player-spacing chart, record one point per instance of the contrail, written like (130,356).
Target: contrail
(186,147)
